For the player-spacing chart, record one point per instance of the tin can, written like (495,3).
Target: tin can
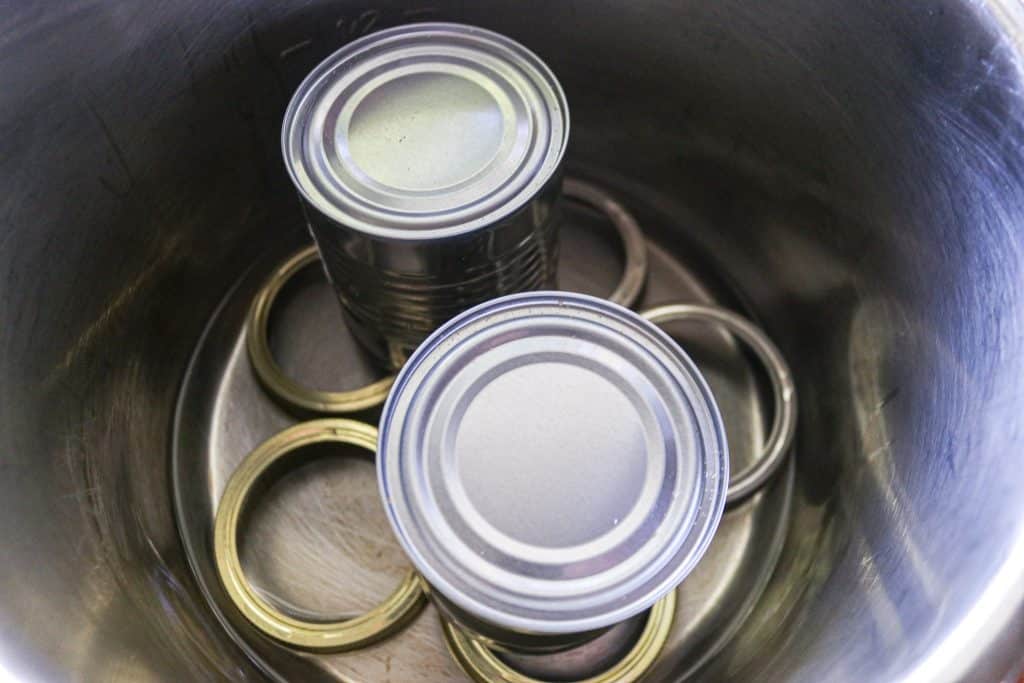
(553,464)
(428,158)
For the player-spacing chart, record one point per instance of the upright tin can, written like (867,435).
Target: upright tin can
(428,158)
(553,464)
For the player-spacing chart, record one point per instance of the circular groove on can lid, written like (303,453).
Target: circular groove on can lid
(426,130)
(552,463)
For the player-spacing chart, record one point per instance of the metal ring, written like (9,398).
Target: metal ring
(634,275)
(780,438)
(483,666)
(383,620)
(269,372)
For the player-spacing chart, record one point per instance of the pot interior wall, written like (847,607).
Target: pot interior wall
(853,169)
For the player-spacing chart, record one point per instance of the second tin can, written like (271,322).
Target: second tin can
(428,159)
(553,464)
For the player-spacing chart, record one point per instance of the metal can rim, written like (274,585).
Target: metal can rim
(491,213)
(602,605)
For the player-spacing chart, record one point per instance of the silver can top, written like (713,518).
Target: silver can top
(552,463)
(425,130)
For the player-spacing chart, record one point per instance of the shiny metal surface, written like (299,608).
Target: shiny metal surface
(320,544)
(750,480)
(429,158)
(552,463)
(852,170)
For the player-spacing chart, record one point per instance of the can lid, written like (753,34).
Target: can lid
(552,462)
(425,130)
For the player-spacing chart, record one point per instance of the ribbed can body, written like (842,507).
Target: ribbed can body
(395,293)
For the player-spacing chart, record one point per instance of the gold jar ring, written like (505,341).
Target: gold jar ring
(396,610)
(270,374)
(483,666)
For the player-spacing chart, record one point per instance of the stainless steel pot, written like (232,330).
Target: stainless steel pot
(855,170)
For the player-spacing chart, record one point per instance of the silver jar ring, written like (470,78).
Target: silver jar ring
(634,246)
(270,374)
(749,480)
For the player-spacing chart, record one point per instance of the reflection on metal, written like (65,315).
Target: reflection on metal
(874,391)
(747,482)
(401,606)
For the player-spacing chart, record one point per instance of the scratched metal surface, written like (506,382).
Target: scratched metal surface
(853,168)
(318,543)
